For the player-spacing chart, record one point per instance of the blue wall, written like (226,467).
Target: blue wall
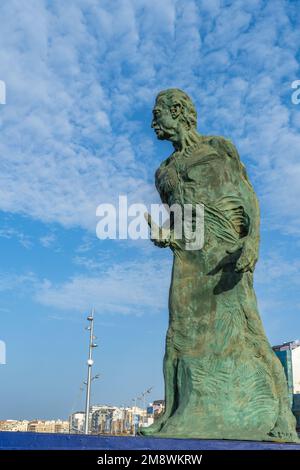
(35,441)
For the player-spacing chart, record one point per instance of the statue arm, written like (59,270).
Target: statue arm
(249,244)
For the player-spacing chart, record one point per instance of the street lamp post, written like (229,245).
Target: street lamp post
(90,363)
(146,392)
(141,398)
(133,415)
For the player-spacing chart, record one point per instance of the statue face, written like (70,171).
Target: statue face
(164,125)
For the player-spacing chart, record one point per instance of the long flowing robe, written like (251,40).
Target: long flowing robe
(222,379)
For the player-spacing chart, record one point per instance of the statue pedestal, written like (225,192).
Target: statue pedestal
(36,441)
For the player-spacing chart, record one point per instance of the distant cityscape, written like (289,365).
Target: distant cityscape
(104,419)
(114,420)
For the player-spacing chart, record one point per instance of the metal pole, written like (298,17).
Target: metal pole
(292,375)
(144,404)
(133,416)
(90,363)
(144,408)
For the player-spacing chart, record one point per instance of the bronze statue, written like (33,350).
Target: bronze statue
(222,378)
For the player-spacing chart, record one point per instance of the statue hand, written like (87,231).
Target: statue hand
(248,256)
(159,236)
(161,243)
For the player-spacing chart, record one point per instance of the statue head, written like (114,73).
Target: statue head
(174,114)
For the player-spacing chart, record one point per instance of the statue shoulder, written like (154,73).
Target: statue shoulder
(226,148)
(222,145)
(201,152)
(210,150)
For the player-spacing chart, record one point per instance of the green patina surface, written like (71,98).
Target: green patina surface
(222,379)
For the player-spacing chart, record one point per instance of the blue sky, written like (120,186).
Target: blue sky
(81,79)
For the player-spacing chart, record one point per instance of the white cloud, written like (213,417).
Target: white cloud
(48,240)
(18,283)
(58,153)
(277,280)
(276,270)
(81,79)
(77,73)
(125,288)
(10,232)
(128,288)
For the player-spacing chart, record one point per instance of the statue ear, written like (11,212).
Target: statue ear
(175,110)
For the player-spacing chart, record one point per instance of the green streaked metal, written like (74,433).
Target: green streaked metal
(222,378)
